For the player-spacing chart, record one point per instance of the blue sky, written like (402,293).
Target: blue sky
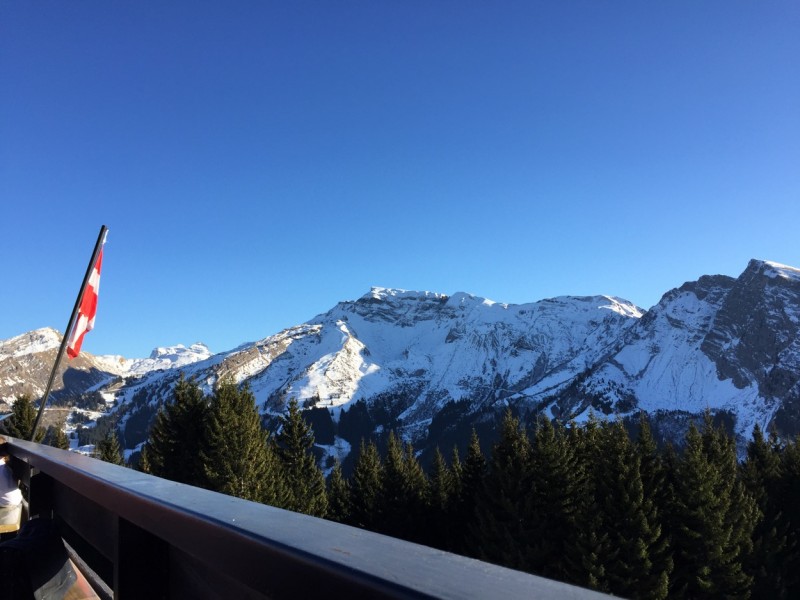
(257,162)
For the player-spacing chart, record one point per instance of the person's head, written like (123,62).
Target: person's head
(4,452)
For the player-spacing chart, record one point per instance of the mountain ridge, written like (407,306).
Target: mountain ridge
(726,344)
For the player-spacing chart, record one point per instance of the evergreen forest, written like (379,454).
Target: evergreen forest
(586,504)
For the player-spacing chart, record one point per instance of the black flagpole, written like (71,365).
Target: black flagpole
(100,241)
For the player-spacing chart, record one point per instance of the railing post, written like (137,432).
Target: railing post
(41,499)
(141,565)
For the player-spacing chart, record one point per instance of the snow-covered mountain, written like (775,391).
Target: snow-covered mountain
(729,345)
(26,361)
(433,366)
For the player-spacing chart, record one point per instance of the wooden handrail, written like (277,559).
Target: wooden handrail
(144,534)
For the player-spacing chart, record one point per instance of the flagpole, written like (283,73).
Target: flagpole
(98,245)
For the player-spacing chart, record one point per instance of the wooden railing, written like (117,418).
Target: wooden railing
(147,537)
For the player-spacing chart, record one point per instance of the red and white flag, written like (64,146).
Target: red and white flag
(87,310)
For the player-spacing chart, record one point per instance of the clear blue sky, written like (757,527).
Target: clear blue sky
(257,162)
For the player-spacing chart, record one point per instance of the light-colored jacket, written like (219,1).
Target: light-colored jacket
(10,494)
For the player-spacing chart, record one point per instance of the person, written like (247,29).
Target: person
(10,494)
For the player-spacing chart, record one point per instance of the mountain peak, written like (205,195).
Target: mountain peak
(621,306)
(178,352)
(774,269)
(391,294)
(462,298)
(38,340)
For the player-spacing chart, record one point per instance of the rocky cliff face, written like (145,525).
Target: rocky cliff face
(755,334)
(426,364)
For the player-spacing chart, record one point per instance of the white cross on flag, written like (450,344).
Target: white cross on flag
(87,311)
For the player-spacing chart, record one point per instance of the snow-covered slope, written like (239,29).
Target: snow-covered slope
(437,349)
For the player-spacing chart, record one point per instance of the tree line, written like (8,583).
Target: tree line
(590,505)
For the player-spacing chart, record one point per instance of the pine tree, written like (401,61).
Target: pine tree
(715,519)
(557,494)
(23,417)
(440,503)
(108,449)
(391,500)
(743,514)
(588,553)
(456,471)
(304,480)
(56,437)
(651,464)
(339,501)
(366,487)
(401,504)
(469,488)
(630,521)
(178,435)
(787,501)
(502,532)
(237,456)
(417,495)
(656,490)
(144,461)
(760,475)
(441,483)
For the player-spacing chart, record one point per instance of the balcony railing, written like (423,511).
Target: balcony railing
(147,537)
